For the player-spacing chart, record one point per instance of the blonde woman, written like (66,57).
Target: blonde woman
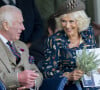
(75,34)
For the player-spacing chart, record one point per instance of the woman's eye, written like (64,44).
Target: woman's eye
(71,21)
(63,21)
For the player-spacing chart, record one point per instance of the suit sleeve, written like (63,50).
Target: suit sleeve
(34,67)
(40,78)
(9,78)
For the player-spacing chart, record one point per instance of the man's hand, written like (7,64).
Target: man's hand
(27,78)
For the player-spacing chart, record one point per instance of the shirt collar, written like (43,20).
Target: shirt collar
(3,39)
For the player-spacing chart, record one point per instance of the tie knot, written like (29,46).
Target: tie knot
(14,51)
(9,43)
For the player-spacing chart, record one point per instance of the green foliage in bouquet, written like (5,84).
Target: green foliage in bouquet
(87,61)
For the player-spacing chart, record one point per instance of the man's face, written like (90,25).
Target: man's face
(16,28)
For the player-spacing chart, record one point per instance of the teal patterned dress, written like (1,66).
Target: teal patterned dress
(59,57)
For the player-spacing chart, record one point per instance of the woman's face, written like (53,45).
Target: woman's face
(69,25)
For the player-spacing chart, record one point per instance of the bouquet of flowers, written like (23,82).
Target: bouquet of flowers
(87,61)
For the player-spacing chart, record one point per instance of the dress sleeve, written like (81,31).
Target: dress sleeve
(51,64)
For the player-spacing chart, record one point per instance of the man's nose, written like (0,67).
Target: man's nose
(22,27)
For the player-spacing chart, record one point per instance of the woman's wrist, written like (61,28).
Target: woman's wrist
(67,75)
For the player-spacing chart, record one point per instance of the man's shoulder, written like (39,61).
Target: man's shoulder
(20,44)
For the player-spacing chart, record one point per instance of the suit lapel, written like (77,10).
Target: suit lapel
(24,55)
(6,56)
(21,53)
(10,55)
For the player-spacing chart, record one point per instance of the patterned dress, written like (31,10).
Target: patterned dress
(59,57)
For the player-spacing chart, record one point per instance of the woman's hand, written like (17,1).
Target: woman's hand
(77,74)
(68,75)
(73,76)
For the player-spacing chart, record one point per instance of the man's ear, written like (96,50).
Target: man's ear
(5,26)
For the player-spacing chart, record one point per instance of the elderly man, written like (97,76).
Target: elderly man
(32,20)
(15,70)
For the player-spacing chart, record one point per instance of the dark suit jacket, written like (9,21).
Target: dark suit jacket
(32,21)
(37,50)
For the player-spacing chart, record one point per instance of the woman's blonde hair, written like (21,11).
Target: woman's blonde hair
(82,19)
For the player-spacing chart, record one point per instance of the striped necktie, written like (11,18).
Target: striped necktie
(14,51)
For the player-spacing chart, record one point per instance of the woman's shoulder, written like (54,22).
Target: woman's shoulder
(88,31)
(56,40)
